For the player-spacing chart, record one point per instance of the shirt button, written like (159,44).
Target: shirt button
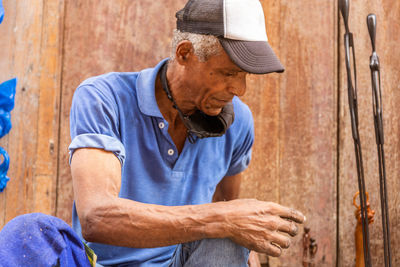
(170,152)
(161,125)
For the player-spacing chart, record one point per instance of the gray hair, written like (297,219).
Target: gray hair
(204,45)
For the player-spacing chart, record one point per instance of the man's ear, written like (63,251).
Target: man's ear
(184,52)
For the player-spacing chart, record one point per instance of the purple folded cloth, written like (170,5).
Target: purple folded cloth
(40,240)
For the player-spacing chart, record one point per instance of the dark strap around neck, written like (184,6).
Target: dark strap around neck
(163,76)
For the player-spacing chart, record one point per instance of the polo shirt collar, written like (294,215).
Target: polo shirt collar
(145,88)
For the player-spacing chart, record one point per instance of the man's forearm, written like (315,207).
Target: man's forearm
(134,224)
(254,224)
(123,222)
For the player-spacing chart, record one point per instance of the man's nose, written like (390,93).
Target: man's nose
(239,87)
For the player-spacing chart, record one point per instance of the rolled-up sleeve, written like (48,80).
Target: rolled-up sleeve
(94,121)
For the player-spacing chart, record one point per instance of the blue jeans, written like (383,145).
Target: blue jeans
(210,253)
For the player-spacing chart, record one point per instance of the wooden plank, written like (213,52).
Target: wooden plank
(389,27)
(101,37)
(22,141)
(44,198)
(388,15)
(308,123)
(49,102)
(6,73)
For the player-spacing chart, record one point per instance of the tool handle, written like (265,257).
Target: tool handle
(344,9)
(371,22)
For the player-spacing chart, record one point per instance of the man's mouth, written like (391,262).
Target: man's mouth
(215,105)
(222,101)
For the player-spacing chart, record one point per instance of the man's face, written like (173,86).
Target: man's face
(214,83)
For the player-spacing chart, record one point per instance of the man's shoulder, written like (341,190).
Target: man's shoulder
(122,83)
(112,88)
(112,81)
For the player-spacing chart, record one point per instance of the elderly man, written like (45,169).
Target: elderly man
(157,155)
(150,150)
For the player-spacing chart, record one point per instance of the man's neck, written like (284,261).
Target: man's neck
(176,129)
(164,104)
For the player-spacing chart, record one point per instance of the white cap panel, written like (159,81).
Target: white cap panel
(244,20)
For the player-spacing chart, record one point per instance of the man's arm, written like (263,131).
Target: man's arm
(228,188)
(106,218)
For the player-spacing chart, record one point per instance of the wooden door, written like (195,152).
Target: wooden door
(303,155)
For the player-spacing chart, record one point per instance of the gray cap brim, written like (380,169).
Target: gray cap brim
(252,56)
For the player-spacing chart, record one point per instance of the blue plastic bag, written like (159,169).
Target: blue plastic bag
(1,12)
(5,123)
(7,96)
(4,169)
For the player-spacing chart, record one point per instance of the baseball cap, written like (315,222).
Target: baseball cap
(240,28)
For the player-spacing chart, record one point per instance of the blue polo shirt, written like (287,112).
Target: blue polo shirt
(118,112)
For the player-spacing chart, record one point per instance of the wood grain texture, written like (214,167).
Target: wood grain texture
(32,53)
(6,73)
(26,41)
(49,111)
(308,123)
(388,30)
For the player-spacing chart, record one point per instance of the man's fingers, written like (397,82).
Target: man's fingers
(294,215)
(288,227)
(280,240)
(273,250)
(288,213)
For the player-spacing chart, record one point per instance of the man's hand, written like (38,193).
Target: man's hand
(261,226)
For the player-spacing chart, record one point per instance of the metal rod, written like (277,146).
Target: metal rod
(353,106)
(378,123)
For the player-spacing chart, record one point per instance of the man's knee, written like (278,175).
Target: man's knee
(223,245)
(216,252)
